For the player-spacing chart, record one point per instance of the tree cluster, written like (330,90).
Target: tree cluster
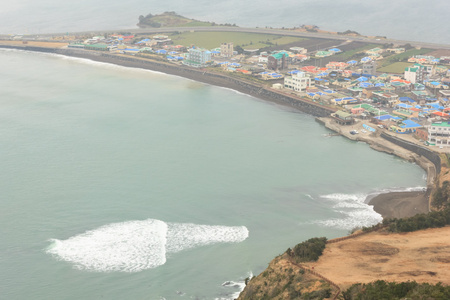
(441,197)
(309,250)
(395,291)
(348,32)
(433,219)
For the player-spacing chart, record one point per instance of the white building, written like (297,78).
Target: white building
(412,74)
(298,82)
(418,73)
(439,134)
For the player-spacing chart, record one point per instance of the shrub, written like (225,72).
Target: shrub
(309,250)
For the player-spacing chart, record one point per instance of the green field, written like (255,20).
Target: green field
(398,67)
(402,57)
(210,40)
(347,55)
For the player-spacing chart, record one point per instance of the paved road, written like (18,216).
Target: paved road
(285,32)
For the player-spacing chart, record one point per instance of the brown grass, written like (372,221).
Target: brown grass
(34,44)
(422,256)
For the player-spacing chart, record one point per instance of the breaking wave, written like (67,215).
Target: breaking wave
(356,213)
(134,246)
(234,287)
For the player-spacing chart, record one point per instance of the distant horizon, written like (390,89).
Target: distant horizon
(382,18)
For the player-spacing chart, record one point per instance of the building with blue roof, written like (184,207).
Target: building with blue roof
(406,99)
(387,117)
(143,41)
(403,105)
(407,126)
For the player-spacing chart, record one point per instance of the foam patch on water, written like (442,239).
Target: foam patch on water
(138,245)
(355,212)
(185,236)
(235,287)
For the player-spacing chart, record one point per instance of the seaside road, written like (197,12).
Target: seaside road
(286,32)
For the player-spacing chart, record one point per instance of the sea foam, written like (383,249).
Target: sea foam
(355,212)
(134,246)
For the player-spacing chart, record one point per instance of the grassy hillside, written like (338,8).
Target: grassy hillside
(172,19)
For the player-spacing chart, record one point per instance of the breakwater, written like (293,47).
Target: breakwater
(419,150)
(202,75)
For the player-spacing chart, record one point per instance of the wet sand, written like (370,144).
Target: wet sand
(400,204)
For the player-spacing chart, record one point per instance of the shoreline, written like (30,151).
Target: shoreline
(395,204)
(391,204)
(400,204)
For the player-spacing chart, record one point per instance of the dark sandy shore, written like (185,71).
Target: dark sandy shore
(400,204)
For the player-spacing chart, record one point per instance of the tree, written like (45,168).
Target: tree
(239,49)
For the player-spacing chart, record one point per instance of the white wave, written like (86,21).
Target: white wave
(309,196)
(355,208)
(345,197)
(354,219)
(134,246)
(237,286)
(128,247)
(236,91)
(356,213)
(185,236)
(113,66)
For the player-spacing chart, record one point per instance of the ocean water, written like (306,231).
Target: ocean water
(124,183)
(414,20)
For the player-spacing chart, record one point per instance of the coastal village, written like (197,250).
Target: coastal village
(411,101)
(370,89)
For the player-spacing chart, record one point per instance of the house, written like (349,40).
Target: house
(335,65)
(277,61)
(357,110)
(419,96)
(396,50)
(370,68)
(422,134)
(226,49)
(407,126)
(374,52)
(299,50)
(439,134)
(335,50)
(413,74)
(321,54)
(197,57)
(343,101)
(444,94)
(390,98)
(298,82)
(343,118)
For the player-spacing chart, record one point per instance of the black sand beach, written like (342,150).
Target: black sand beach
(400,204)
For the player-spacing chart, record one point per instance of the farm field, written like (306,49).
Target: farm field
(398,68)
(211,40)
(402,57)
